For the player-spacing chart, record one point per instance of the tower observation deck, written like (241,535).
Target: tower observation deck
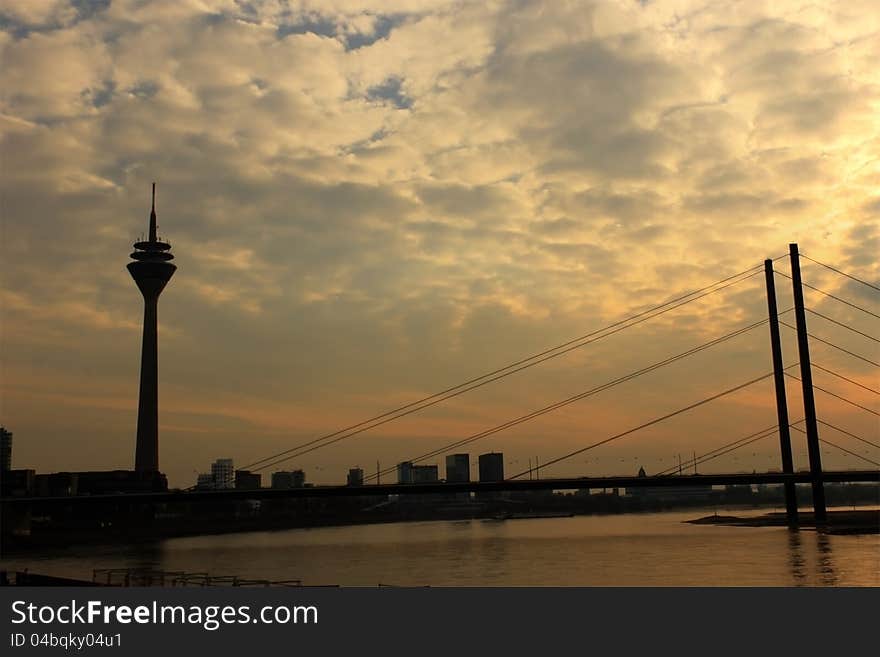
(151,269)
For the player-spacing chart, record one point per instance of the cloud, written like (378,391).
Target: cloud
(371,201)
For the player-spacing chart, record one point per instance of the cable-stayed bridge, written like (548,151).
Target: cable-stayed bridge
(793,318)
(808,424)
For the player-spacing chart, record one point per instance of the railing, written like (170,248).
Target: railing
(174,578)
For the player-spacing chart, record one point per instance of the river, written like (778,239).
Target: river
(651,549)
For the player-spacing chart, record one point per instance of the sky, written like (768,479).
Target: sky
(370,202)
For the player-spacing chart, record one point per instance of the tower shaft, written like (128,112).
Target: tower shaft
(146,457)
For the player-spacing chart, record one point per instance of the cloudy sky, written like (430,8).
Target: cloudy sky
(372,201)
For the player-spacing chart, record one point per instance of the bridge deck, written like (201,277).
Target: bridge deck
(575,483)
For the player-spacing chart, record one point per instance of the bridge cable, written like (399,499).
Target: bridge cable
(657,420)
(846,326)
(831,344)
(832,394)
(696,460)
(848,433)
(842,273)
(583,395)
(836,298)
(847,379)
(745,444)
(764,434)
(842,449)
(523,363)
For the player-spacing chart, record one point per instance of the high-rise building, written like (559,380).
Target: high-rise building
(458,468)
(408,473)
(491,466)
(355,477)
(223,473)
(425,474)
(5,450)
(247,480)
(151,269)
(405,472)
(288,479)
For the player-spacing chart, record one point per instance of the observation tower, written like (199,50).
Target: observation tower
(151,269)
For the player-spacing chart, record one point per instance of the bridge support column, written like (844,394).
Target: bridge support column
(807,386)
(781,401)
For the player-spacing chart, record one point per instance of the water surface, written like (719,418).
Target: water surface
(651,549)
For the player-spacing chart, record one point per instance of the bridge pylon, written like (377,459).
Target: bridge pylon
(807,386)
(781,401)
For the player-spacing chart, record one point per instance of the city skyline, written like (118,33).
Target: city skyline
(366,212)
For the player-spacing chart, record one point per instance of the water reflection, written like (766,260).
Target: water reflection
(651,549)
(796,562)
(801,574)
(827,575)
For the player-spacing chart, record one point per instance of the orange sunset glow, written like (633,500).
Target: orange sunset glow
(371,202)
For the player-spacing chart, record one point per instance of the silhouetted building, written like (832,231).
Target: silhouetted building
(99,482)
(223,472)
(288,479)
(17,483)
(355,477)
(405,472)
(458,468)
(56,484)
(408,473)
(638,491)
(105,482)
(5,449)
(491,466)
(425,474)
(670,493)
(151,270)
(247,480)
(205,481)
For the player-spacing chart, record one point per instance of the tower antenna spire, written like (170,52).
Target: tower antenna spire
(153,237)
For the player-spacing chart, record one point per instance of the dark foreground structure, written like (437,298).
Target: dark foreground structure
(151,270)
(33,521)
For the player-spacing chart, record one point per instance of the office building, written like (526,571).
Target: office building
(458,468)
(355,477)
(223,473)
(288,479)
(425,474)
(405,472)
(247,480)
(408,473)
(491,466)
